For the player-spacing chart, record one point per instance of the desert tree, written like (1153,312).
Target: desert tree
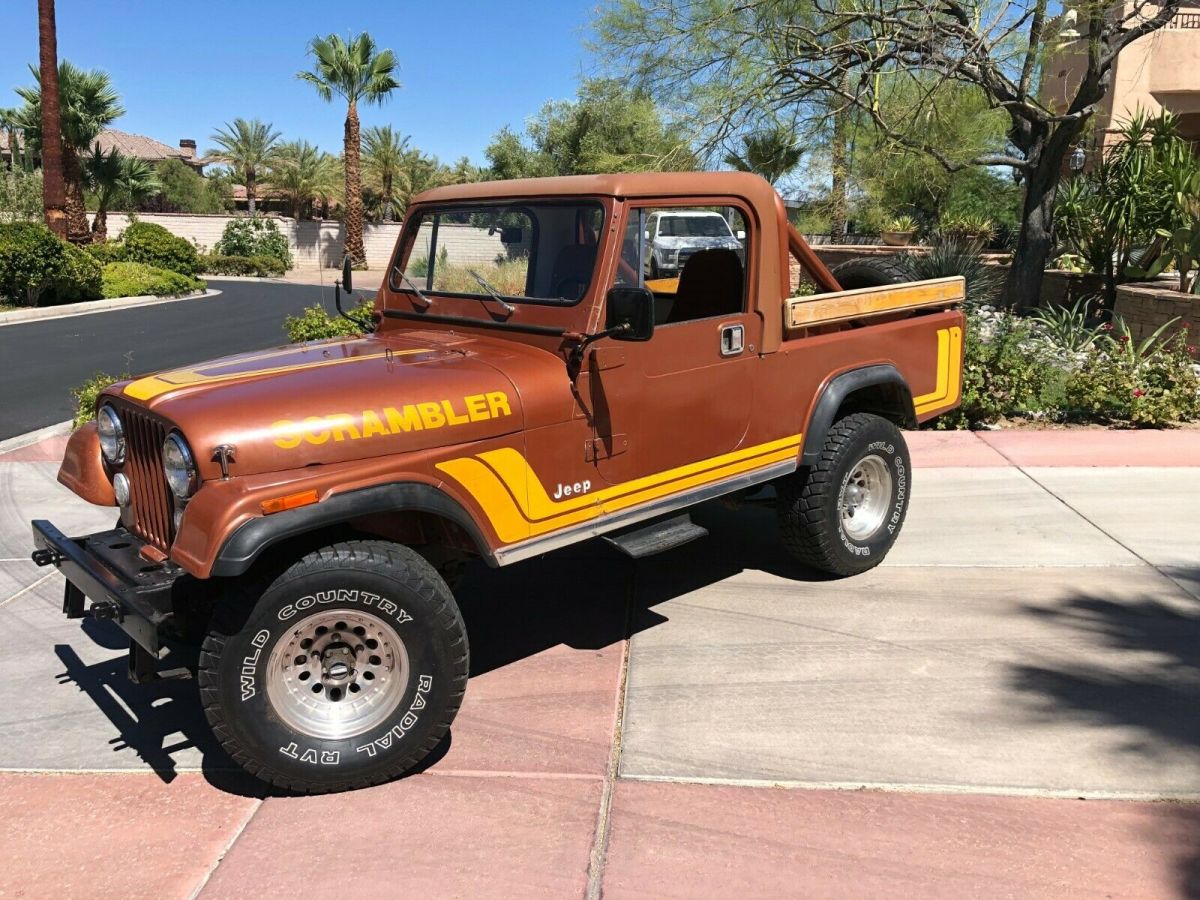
(732,64)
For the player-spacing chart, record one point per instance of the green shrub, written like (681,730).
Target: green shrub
(38,268)
(315,324)
(85,396)
(83,277)
(256,236)
(153,245)
(259,266)
(20,196)
(132,279)
(107,252)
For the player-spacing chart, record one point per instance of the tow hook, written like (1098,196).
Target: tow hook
(106,609)
(47,557)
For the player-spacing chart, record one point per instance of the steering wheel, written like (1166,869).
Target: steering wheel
(578,282)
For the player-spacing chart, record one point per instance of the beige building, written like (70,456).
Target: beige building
(1159,71)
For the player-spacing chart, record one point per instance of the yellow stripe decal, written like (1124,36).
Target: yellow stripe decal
(153,385)
(949,372)
(516,502)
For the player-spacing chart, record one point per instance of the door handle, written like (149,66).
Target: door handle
(733,340)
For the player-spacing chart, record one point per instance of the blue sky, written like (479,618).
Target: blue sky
(467,66)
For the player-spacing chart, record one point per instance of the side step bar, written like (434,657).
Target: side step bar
(665,534)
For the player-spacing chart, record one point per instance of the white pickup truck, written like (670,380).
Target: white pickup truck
(673,235)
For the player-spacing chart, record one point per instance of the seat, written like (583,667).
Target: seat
(572,271)
(711,284)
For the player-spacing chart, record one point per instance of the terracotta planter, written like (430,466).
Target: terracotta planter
(897,238)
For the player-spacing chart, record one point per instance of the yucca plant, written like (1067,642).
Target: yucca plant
(955,256)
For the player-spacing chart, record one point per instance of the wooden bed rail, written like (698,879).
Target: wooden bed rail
(863,303)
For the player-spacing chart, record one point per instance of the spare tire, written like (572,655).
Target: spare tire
(870,271)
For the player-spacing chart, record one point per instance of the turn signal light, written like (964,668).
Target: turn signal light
(291,501)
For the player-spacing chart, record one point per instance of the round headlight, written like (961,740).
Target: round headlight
(121,489)
(112,435)
(179,466)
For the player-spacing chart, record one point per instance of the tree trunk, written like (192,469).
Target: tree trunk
(77,223)
(53,188)
(387,198)
(251,190)
(100,224)
(354,207)
(838,207)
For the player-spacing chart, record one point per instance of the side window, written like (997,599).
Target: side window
(693,259)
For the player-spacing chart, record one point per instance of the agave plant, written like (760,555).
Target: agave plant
(902,223)
(1067,328)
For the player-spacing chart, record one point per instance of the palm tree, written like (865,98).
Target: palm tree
(247,147)
(771,153)
(88,103)
(357,73)
(300,172)
(114,176)
(54,199)
(384,165)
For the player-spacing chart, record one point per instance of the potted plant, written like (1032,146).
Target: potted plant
(899,231)
(974,231)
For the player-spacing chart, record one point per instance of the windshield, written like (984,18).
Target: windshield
(543,252)
(693,226)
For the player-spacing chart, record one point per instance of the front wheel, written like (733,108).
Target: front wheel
(843,514)
(346,672)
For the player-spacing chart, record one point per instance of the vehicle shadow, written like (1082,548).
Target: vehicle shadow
(587,597)
(1152,684)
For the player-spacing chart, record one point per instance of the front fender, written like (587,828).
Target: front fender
(252,537)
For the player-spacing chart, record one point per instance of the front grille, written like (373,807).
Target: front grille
(150,496)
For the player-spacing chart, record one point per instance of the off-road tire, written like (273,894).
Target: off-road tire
(365,582)
(870,271)
(809,502)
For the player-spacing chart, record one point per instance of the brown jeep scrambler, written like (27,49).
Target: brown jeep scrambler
(522,385)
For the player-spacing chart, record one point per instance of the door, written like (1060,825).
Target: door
(685,396)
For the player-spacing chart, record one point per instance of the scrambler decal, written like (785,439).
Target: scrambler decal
(411,417)
(401,728)
(385,606)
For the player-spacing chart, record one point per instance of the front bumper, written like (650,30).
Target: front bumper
(108,567)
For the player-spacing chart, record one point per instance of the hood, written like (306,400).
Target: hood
(334,401)
(673,243)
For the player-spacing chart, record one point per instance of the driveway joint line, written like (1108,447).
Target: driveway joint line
(207,876)
(982,790)
(25,590)
(598,857)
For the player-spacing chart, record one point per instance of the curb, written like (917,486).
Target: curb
(32,437)
(89,307)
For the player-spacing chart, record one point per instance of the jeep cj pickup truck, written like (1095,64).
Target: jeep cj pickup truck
(302,514)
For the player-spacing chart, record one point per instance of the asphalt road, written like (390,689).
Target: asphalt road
(41,361)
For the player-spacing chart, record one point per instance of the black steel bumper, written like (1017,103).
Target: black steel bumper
(108,568)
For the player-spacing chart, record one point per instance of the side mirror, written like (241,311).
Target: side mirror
(741,235)
(633,306)
(646,234)
(347,273)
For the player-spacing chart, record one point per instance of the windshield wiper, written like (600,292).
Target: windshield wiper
(508,307)
(416,290)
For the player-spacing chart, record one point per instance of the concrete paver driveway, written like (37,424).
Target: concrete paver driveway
(1008,706)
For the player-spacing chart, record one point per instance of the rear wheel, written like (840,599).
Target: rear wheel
(842,514)
(346,672)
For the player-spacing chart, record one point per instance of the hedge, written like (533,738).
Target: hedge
(132,279)
(37,268)
(153,245)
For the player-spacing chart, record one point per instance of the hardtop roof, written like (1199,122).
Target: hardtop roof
(631,184)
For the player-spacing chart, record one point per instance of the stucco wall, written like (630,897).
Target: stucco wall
(313,244)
